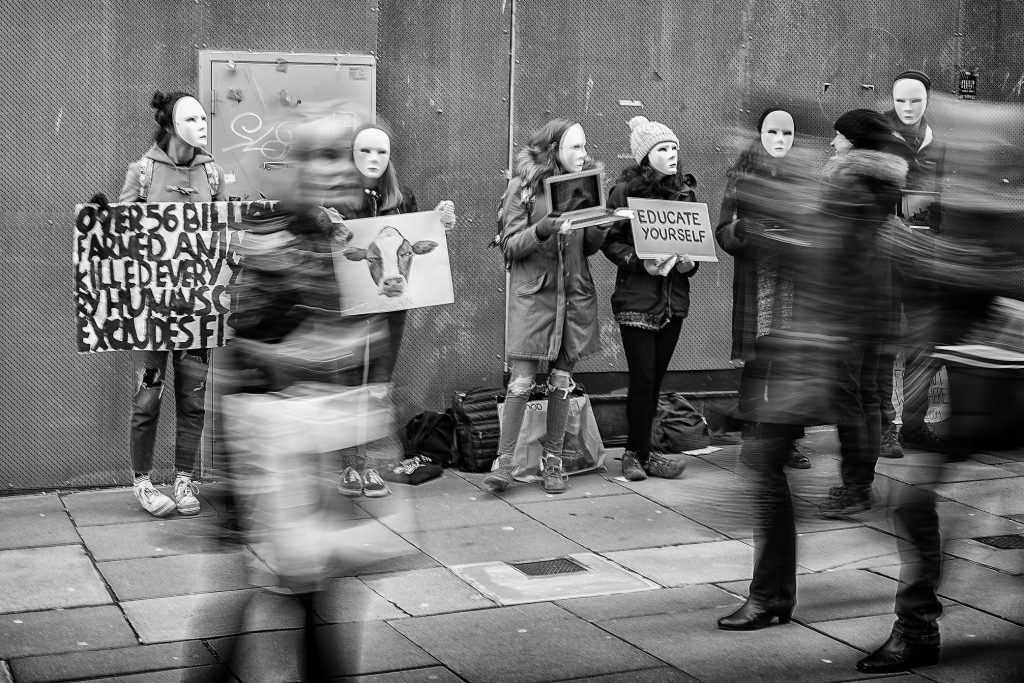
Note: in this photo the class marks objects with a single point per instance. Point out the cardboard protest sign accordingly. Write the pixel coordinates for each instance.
(393, 263)
(663, 228)
(155, 276)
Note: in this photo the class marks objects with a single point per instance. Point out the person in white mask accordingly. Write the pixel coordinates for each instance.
(177, 168)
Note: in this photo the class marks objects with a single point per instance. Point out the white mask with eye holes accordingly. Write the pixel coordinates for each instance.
(190, 121)
(371, 151)
(777, 133)
(909, 99)
(664, 158)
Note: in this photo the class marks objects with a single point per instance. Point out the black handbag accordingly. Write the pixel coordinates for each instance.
(792, 379)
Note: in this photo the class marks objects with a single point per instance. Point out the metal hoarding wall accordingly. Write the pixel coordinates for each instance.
(443, 80)
(76, 112)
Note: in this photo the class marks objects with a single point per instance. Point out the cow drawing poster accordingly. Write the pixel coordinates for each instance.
(155, 276)
(393, 263)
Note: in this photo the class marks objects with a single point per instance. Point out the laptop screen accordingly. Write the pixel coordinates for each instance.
(575, 191)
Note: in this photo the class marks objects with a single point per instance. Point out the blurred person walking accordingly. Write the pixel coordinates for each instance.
(177, 168)
(552, 307)
(819, 344)
(651, 296)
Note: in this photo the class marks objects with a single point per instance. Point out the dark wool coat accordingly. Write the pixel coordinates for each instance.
(854, 298)
(552, 301)
(641, 299)
(926, 169)
(756, 183)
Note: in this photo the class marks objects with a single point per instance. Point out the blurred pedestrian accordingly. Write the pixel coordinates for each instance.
(862, 185)
(651, 296)
(552, 307)
(177, 168)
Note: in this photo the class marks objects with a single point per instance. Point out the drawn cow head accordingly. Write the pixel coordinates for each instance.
(389, 257)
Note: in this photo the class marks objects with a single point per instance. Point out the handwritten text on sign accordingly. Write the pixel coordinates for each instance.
(662, 228)
(155, 276)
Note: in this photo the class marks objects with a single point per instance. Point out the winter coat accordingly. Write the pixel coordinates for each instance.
(928, 165)
(173, 183)
(287, 278)
(759, 196)
(641, 299)
(854, 297)
(552, 301)
(368, 209)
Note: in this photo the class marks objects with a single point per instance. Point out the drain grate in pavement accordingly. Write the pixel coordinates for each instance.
(1008, 542)
(559, 565)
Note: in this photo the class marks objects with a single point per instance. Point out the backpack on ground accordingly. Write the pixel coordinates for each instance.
(477, 428)
(678, 427)
(431, 434)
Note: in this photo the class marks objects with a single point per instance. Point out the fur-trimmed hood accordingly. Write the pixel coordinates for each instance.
(534, 165)
(867, 163)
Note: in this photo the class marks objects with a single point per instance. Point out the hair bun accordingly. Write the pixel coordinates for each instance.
(636, 122)
(159, 100)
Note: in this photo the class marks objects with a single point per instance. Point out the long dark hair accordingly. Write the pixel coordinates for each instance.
(642, 181)
(164, 105)
(387, 185)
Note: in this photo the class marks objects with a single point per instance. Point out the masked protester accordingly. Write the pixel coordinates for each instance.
(176, 168)
(552, 309)
(379, 194)
(763, 179)
(652, 296)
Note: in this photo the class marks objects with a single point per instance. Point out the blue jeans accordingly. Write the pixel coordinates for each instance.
(190, 369)
(518, 395)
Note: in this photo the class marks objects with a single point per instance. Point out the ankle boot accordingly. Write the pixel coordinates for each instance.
(752, 616)
(897, 654)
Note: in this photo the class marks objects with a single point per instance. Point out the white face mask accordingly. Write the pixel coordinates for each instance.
(371, 151)
(777, 133)
(190, 121)
(572, 149)
(664, 158)
(909, 99)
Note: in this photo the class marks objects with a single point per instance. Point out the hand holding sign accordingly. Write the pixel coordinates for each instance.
(663, 228)
(684, 264)
(659, 266)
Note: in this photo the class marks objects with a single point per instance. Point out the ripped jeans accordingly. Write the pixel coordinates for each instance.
(560, 385)
(190, 369)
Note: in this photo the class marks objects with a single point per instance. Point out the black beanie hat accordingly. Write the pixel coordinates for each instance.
(917, 76)
(867, 129)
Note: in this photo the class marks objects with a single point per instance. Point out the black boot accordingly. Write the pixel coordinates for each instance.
(897, 654)
(751, 617)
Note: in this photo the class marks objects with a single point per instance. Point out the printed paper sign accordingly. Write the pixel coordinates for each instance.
(155, 276)
(393, 263)
(663, 228)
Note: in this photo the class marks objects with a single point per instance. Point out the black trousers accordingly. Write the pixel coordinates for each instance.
(764, 453)
(648, 353)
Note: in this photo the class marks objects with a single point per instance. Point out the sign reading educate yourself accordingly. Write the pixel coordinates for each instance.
(155, 276)
(663, 228)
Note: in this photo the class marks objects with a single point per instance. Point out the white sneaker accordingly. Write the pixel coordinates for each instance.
(373, 485)
(154, 502)
(185, 496)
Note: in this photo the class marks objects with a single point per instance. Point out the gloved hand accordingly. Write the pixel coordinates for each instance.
(659, 266)
(101, 200)
(548, 225)
(684, 264)
(447, 210)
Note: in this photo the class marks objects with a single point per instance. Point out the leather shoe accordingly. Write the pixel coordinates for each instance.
(897, 654)
(751, 617)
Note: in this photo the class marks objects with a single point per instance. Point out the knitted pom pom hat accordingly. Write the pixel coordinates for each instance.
(645, 135)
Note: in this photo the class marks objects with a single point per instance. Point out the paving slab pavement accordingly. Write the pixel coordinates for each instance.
(95, 588)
